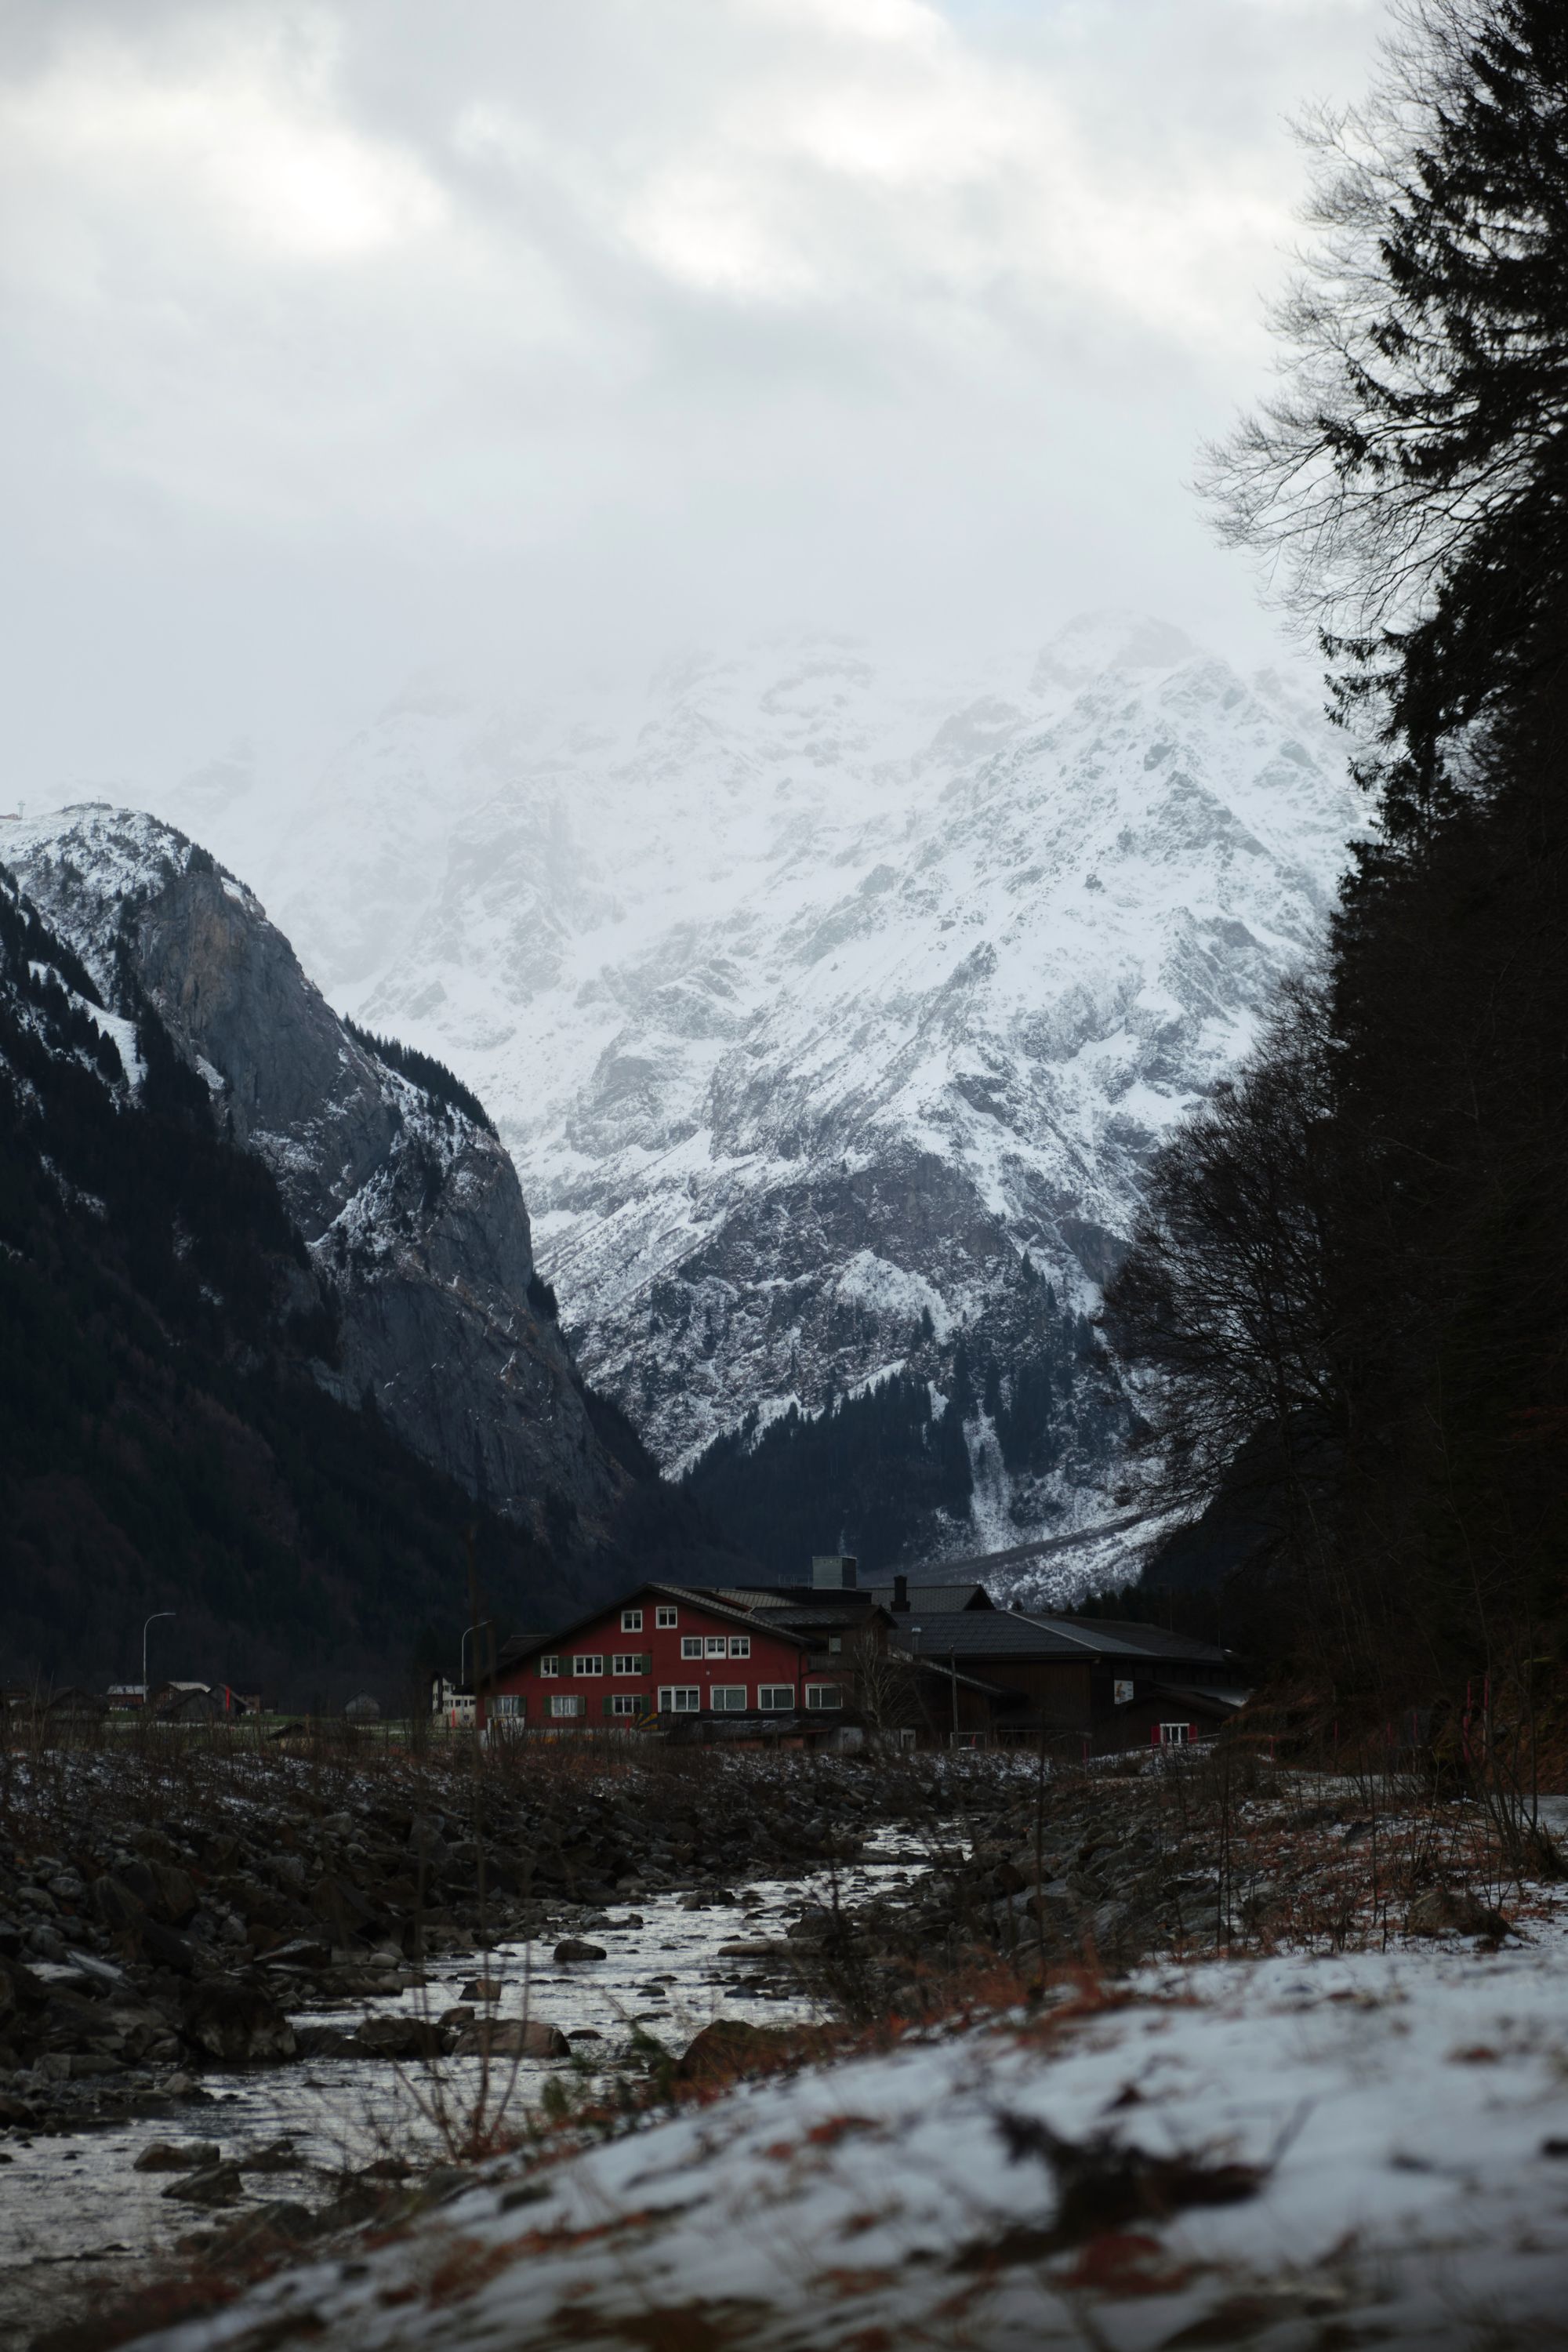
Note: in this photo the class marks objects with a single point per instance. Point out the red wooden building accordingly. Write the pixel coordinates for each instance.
(667, 1651)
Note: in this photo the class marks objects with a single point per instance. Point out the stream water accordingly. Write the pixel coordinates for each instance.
(79, 2226)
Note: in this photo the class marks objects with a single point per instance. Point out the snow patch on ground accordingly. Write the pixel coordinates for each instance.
(1384, 2131)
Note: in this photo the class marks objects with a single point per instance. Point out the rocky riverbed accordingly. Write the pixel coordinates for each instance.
(251, 2006)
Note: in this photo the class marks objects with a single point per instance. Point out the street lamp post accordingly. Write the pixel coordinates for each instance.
(463, 1648)
(157, 1613)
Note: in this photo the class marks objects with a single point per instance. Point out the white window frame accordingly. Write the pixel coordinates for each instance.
(588, 1662)
(776, 1698)
(728, 1698)
(631, 1621)
(550, 1664)
(626, 1662)
(680, 1698)
(624, 1704)
(692, 1645)
(567, 1705)
(509, 1703)
(666, 1616)
(824, 1698)
(716, 1646)
(1175, 1735)
(740, 1646)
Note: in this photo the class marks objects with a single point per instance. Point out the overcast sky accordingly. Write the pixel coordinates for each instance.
(483, 339)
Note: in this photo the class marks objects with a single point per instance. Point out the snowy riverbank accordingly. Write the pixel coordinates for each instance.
(1295, 2152)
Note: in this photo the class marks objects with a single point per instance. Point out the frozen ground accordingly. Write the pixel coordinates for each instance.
(1297, 2152)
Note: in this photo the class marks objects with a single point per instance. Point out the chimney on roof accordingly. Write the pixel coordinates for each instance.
(902, 1595)
(835, 1571)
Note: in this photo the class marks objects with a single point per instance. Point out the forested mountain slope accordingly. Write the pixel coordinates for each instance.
(259, 1286)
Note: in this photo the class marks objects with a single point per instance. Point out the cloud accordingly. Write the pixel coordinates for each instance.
(347, 333)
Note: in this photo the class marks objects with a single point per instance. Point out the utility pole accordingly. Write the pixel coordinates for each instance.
(157, 1613)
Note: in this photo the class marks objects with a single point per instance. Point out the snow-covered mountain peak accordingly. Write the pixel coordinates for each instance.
(806, 983)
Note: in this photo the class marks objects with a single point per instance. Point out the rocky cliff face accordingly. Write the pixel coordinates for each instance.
(411, 1210)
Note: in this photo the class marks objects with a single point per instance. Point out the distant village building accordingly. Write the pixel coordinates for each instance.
(453, 1703)
(835, 1663)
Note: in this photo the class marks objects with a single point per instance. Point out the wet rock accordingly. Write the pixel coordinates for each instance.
(482, 1989)
(512, 2037)
(179, 2156)
(237, 2024)
(730, 2047)
(398, 2037)
(572, 1947)
(215, 2184)
(278, 2222)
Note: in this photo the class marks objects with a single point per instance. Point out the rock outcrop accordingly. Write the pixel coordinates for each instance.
(410, 1209)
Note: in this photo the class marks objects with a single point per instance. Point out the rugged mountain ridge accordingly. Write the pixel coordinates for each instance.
(814, 995)
(410, 1208)
(164, 1442)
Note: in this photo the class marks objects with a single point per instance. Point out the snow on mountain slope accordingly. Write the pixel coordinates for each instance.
(810, 993)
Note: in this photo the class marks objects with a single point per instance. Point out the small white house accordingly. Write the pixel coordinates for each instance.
(453, 1703)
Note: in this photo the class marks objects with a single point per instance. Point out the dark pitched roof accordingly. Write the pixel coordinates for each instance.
(1153, 1640)
(849, 1599)
(947, 1598)
(1008, 1633)
(981, 1634)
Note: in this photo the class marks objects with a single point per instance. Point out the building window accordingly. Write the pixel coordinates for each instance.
(834, 1644)
(730, 1698)
(679, 1702)
(583, 1665)
(509, 1703)
(565, 1703)
(664, 1616)
(718, 1647)
(631, 1621)
(819, 1695)
(740, 1646)
(550, 1664)
(692, 1645)
(629, 1662)
(628, 1703)
(775, 1698)
(1121, 1694)
(1174, 1735)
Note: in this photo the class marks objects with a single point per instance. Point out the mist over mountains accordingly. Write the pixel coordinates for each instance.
(812, 994)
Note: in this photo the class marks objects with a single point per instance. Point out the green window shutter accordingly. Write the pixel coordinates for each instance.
(609, 1703)
(646, 1664)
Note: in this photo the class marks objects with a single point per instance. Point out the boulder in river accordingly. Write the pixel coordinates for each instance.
(178, 2155)
(215, 2184)
(572, 1947)
(237, 2024)
(514, 2037)
(399, 2036)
